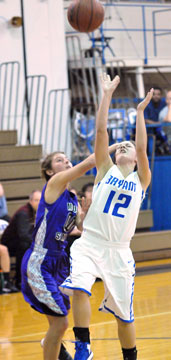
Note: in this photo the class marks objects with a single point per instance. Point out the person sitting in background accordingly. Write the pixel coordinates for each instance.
(151, 115)
(85, 198)
(75, 233)
(3, 205)
(165, 116)
(18, 234)
(7, 286)
(86, 191)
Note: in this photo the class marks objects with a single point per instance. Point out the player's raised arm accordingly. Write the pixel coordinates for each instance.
(103, 160)
(141, 142)
(67, 173)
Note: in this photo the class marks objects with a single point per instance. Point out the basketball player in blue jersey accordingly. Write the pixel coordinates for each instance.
(45, 264)
(103, 250)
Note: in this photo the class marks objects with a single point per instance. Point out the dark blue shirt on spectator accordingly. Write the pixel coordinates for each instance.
(152, 113)
(152, 110)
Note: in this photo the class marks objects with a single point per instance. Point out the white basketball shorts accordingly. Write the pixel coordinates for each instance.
(114, 264)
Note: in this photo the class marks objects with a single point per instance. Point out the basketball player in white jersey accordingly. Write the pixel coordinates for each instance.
(104, 248)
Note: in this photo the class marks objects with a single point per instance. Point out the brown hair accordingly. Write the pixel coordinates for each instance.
(46, 164)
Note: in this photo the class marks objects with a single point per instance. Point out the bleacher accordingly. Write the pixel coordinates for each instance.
(19, 169)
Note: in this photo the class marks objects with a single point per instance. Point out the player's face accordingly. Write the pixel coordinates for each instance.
(60, 163)
(125, 150)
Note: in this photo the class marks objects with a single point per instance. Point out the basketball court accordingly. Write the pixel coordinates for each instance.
(22, 328)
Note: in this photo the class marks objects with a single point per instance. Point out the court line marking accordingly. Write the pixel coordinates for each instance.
(92, 325)
(6, 341)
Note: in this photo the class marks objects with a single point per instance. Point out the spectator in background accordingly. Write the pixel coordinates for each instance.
(3, 205)
(151, 115)
(85, 198)
(75, 233)
(86, 195)
(86, 191)
(3, 225)
(18, 234)
(7, 286)
(165, 116)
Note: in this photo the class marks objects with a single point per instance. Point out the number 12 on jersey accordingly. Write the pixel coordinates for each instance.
(117, 205)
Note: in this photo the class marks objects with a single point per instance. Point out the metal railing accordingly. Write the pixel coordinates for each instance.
(157, 32)
(9, 93)
(57, 125)
(82, 78)
(37, 88)
(49, 121)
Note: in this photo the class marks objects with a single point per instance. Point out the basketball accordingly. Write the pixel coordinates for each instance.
(85, 15)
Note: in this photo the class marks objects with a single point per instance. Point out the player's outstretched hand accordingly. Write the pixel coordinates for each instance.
(142, 105)
(108, 85)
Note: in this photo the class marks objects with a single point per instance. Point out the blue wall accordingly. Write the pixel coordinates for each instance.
(161, 194)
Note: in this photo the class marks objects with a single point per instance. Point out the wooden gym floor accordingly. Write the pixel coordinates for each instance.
(22, 328)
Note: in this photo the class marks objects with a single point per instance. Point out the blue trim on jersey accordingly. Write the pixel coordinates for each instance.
(131, 314)
(98, 184)
(75, 288)
(131, 299)
(112, 312)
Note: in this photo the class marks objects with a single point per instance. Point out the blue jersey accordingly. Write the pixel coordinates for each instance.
(46, 265)
(55, 221)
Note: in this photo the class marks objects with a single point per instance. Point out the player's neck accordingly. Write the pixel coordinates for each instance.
(126, 169)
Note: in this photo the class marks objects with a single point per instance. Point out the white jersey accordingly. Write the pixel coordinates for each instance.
(113, 214)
